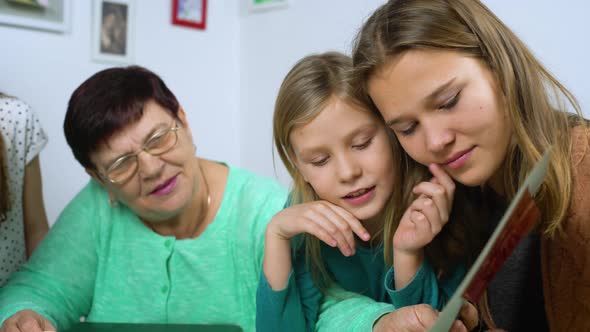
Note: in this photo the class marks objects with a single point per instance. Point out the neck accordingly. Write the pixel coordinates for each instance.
(496, 183)
(196, 217)
(373, 225)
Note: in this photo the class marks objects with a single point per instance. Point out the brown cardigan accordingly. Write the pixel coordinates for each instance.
(565, 261)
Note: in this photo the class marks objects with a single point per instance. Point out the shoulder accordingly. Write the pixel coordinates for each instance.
(21, 128)
(253, 197)
(580, 146)
(252, 185)
(92, 197)
(567, 271)
(580, 155)
(14, 109)
(90, 205)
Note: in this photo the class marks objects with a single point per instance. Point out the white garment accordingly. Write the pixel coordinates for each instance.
(23, 140)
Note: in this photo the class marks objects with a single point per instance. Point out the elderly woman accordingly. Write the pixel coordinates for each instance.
(158, 235)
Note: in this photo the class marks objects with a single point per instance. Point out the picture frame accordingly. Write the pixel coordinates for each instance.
(190, 13)
(44, 15)
(264, 5)
(113, 31)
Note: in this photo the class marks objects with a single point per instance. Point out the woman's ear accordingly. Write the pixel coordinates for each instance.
(184, 122)
(93, 174)
(182, 116)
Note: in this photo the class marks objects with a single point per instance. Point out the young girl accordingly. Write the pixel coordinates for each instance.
(23, 223)
(340, 157)
(461, 91)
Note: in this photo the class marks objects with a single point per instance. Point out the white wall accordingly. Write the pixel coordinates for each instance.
(227, 76)
(273, 41)
(200, 67)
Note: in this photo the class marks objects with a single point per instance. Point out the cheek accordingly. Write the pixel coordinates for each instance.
(179, 157)
(128, 194)
(414, 147)
(319, 179)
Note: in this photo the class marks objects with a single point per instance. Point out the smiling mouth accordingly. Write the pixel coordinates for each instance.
(164, 187)
(359, 192)
(457, 156)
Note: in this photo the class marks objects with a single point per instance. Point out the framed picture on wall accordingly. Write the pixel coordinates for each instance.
(260, 5)
(113, 31)
(47, 15)
(190, 13)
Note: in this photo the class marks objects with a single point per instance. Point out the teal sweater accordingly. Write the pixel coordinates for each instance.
(105, 264)
(301, 306)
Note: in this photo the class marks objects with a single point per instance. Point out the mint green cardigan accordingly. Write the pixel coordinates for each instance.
(105, 264)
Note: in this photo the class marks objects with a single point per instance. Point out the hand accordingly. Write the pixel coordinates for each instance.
(26, 321)
(469, 316)
(416, 318)
(427, 215)
(324, 220)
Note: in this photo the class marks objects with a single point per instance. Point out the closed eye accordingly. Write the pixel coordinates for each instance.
(363, 145)
(156, 140)
(320, 162)
(452, 102)
(407, 131)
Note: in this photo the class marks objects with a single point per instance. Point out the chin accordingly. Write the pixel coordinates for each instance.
(365, 213)
(470, 180)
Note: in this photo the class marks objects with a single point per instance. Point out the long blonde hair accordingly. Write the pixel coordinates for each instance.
(304, 93)
(536, 103)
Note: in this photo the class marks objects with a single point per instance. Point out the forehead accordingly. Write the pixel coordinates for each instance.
(414, 74)
(134, 135)
(335, 122)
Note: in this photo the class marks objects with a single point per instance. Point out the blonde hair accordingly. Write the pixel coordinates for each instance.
(305, 92)
(536, 103)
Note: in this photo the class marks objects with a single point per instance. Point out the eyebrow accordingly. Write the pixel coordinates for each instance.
(354, 133)
(149, 135)
(429, 100)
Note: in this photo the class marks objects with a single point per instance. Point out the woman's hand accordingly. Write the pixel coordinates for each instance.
(26, 321)
(324, 220)
(421, 317)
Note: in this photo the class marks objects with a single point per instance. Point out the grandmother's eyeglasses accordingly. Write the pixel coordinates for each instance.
(159, 143)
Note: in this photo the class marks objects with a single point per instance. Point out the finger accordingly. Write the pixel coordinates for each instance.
(356, 226)
(343, 225)
(425, 316)
(458, 326)
(469, 316)
(343, 240)
(438, 194)
(423, 233)
(444, 179)
(9, 327)
(428, 188)
(433, 215)
(46, 325)
(316, 230)
(28, 324)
